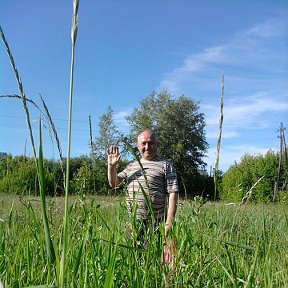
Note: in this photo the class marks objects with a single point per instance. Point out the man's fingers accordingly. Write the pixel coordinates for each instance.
(112, 150)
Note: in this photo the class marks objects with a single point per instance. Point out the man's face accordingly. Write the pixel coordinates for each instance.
(147, 145)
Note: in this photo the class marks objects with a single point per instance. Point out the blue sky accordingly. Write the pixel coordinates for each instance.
(127, 49)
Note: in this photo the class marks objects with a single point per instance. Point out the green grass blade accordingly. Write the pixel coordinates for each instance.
(35, 219)
(111, 268)
(51, 123)
(239, 245)
(42, 184)
(80, 252)
(231, 263)
(10, 215)
(21, 90)
(252, 269)
(103, 220)
(67, 186)
(42, 286)
(225, 270)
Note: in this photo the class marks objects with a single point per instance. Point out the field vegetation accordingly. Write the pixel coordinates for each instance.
(217, 245)
(88, 175)
(63, 227)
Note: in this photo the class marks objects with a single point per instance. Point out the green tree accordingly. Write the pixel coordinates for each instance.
(108, 134)
(180, 128)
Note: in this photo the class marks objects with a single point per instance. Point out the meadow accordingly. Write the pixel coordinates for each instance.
(216, 245)
(85, 241)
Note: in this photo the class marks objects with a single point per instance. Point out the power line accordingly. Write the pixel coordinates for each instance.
(86, 121)
(54, 119)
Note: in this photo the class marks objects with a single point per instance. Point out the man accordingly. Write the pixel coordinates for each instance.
(161, 181)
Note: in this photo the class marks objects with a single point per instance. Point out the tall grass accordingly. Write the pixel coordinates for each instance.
(55, 134)
(42, 182)
(21, 90)
(210, 251)
(92, 153)
(64, 243)
(219, 140)
(39, 163)
(46, 116)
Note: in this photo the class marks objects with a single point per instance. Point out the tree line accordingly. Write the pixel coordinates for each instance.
(181, 131)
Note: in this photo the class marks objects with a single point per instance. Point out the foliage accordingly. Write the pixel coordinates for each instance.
(217, 245)
(18, 175)
(90, 177)
(108, 134)
(180, 130)
(87, 176)
(239, 178)
(83, 180)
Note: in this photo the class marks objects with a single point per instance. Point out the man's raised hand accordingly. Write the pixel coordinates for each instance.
(113, 155)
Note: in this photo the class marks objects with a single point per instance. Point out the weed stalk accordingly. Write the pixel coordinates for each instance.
(67, 186)
(219, 139)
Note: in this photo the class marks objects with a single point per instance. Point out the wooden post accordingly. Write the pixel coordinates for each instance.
(276, 187)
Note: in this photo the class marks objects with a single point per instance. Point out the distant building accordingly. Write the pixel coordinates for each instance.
(3, 155)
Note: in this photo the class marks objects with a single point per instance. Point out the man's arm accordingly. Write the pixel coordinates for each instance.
(113, 157)
(172, 208)
(113, 179)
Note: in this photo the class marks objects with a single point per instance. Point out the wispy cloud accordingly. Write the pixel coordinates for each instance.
(120, 120)
(245, 50)
(270, 28)
(247, 109)
(250, 88)
(193, 64)
(256, 88)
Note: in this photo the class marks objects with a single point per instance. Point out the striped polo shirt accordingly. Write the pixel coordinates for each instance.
(162, 179)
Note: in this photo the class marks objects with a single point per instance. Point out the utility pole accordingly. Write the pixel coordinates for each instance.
(286, 160)
(282, 148)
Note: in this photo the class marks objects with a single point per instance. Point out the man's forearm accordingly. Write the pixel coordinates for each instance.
(172, 207)
(112, 176)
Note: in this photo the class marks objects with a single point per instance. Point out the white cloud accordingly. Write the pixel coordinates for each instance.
(193, 64)
(256, 86)
(120, 116)
(213, 133)
(243, 51)
(120, 120)
(245, 110)
(270, 28)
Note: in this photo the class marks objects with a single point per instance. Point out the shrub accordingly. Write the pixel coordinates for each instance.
(239, 178)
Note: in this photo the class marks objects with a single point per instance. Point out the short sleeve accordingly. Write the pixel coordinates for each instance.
(124, 175)
(171, 179)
